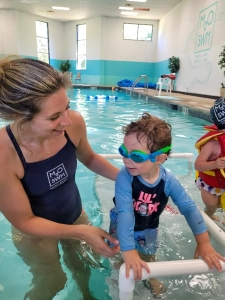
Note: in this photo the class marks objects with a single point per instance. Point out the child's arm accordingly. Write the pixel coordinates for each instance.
(210, 149)
(188, 208)
(207, 252)
(125, 225)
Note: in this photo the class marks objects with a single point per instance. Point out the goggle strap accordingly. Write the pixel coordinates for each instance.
(161, 151)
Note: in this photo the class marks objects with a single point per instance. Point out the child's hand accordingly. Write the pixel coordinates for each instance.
(133, 261)
(209, 255)
(220, 163)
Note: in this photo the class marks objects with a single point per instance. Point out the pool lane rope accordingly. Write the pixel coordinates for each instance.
(107, 97)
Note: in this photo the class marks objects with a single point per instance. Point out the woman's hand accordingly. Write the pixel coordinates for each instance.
(96, 238)
(209, 255)
(133, 261)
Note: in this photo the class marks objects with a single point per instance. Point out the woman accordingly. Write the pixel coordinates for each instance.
(38, 192)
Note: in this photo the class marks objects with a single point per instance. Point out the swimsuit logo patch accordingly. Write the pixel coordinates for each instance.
(57, 176)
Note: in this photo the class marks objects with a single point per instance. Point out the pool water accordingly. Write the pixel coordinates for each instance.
(104, 118)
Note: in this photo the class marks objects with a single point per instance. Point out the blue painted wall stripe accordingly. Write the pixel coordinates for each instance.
(109, 72)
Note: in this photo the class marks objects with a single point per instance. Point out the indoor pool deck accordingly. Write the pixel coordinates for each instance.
(194, 105)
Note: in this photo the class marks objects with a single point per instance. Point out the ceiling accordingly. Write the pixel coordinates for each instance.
(83, 9)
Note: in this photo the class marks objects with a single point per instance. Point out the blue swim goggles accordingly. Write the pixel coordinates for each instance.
(140, 156)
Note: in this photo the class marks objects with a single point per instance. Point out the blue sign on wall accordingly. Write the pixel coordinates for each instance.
(205, 28)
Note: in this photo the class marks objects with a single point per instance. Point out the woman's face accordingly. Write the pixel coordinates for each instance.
(53, 117)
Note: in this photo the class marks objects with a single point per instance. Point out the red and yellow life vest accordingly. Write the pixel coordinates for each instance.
(216, 177)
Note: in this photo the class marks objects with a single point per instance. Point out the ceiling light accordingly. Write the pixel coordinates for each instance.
(126, 8)
(128, 13)
(137, 0)
(29, 1)
(60, 8)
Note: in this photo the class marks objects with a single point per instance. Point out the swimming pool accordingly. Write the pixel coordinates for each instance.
(104, 118)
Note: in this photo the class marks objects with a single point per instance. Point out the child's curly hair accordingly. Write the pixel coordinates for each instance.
(157, 131)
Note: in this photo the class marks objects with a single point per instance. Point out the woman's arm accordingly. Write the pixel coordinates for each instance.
(85, 154)
(15, 206)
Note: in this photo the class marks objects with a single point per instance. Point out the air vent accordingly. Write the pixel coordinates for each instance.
(141, 9)
(136, 8)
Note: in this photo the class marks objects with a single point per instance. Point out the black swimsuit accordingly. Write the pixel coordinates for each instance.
(50, 184)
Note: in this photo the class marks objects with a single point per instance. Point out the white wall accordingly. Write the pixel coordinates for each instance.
(105, 40)
(8, 33)
(27, 35)
(116, 48)
(93, 38)
(56, 39)
(18, 34)
(176, 34)
(70, 40)
(179, 34)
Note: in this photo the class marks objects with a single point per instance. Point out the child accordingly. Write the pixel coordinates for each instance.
(211, 162)
(142, 190)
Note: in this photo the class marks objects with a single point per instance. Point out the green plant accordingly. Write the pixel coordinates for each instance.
(221, 63)
(174, 64)
(64, 66)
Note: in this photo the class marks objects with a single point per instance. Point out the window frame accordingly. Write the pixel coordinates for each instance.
(79, 40)
(137, 32)
(43, 38)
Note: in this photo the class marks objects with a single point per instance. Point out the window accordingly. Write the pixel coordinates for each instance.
(42, 41)
(137, 32)
(81, 47)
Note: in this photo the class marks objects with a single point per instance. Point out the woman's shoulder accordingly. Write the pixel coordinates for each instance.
(8, 156)
(77, 121)
(6, 145)
(76, 117)
(77, 128)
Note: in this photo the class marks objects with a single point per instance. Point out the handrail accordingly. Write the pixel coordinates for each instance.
(138, 79)
(168, 268)
(162, 268)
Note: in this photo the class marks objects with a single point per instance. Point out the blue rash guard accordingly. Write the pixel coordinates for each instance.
(50, 184)
(131, 203)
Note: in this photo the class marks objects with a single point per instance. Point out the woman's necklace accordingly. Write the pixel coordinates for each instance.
(28, 146)
(49, 150)
(45, 151)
